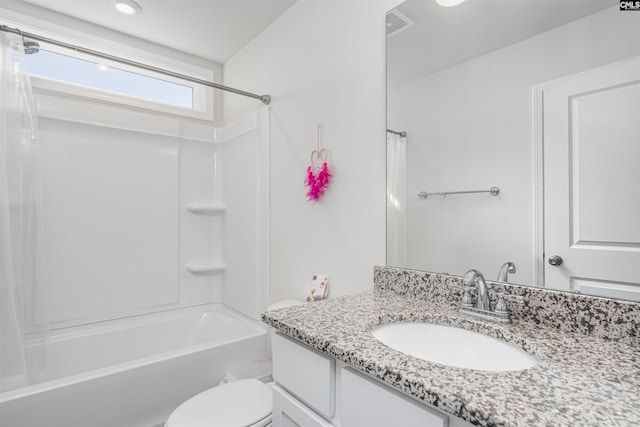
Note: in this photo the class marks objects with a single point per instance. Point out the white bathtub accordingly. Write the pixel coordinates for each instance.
(133, 373)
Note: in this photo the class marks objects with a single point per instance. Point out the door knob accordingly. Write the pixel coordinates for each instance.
(555, 260)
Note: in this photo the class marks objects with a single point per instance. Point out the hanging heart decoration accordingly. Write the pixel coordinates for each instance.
(318, 175)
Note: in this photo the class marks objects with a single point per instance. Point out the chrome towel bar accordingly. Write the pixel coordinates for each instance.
(494, 191)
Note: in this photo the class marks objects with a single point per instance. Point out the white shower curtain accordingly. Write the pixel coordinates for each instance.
(396, 199)
(23, 314)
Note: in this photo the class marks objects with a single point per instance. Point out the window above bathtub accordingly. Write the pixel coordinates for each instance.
(117, 79)
(68, 72)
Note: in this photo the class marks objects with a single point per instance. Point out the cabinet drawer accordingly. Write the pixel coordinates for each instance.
(365, 402)
(305, 373)
(288, 412)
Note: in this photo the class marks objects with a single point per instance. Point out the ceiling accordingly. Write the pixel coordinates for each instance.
(210, 29)
(445, 36)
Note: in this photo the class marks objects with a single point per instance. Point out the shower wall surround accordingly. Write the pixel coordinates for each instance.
(605, 318)
(145, 213)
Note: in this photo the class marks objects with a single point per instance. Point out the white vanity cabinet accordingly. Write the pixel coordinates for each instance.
(366, 402)
(314, 390)
(305, 384)
(290, 412)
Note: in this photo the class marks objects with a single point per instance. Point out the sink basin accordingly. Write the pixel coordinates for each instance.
(454, 347)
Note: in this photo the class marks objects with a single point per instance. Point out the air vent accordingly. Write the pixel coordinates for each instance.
(397, 22)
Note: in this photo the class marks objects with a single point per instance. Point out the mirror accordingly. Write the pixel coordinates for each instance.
(472, 89)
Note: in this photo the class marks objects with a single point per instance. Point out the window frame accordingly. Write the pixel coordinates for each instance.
(204, 98)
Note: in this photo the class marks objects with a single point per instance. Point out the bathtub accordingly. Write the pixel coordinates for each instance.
(134, 372)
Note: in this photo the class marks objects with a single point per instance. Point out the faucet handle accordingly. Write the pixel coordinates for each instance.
(501, 305)
(467, 300)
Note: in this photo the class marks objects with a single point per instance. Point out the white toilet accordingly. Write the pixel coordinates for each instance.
(242, 403)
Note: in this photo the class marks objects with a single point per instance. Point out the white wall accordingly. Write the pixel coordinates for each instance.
(324, 63)
(470, 127)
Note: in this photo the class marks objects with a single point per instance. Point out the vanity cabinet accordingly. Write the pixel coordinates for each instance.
(314, 390)
(366, 402)
(305, 373)
(290, 412)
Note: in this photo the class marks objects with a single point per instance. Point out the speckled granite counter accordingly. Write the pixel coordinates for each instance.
(582, 379)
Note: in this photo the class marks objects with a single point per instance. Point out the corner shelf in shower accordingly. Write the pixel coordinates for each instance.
(206, 208)
(205, 267)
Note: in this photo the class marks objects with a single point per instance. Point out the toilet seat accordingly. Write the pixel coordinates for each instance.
(243, 403)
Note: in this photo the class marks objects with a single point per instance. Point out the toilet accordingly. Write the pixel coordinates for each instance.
(240, 403)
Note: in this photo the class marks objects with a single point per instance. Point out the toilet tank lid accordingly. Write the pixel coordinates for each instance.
(284, 304)
(239, 403)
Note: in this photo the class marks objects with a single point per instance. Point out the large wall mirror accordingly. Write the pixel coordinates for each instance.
(538, 100)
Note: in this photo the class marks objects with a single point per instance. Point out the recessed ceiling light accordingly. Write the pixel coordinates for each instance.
(449, 3)
(128, 7)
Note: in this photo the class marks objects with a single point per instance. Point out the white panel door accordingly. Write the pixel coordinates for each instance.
(592, 181)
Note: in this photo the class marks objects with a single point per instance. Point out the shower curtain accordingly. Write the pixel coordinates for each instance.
(396, 199)
(23, 314)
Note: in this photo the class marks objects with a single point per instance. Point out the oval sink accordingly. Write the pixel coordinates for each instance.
(454, 347)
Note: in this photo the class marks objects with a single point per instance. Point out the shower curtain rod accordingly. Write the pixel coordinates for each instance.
(266, 99)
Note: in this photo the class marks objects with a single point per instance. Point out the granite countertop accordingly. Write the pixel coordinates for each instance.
(580, 380)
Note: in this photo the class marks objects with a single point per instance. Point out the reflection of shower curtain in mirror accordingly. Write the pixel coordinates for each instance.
(23, 313)
(396, 199)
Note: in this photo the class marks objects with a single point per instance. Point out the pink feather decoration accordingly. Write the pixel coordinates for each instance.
(317, 184)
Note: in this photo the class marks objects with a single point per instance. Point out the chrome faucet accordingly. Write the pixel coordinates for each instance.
(507, 267)
(482, 308)
(475, 278)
